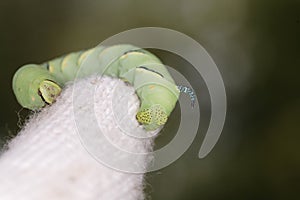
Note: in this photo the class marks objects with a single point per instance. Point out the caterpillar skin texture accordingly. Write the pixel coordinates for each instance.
(38, 85)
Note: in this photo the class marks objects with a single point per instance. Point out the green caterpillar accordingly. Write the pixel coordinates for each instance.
(38, 85)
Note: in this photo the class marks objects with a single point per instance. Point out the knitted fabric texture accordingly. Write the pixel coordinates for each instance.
(47, 159)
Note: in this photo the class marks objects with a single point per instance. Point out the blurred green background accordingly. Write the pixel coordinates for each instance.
(254, 43)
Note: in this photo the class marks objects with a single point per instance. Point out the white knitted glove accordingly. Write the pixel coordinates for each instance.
(48, 161)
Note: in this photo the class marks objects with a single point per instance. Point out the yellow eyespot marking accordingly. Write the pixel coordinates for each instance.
(144, 116)
(154, 116)
(151, 87)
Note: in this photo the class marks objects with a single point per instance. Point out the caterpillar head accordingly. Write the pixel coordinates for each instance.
(35, 87)
(152, 117)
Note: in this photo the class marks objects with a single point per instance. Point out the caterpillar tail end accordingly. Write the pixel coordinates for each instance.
(152, 118)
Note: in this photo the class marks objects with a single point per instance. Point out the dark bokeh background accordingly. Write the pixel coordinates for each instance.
(254, 43)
